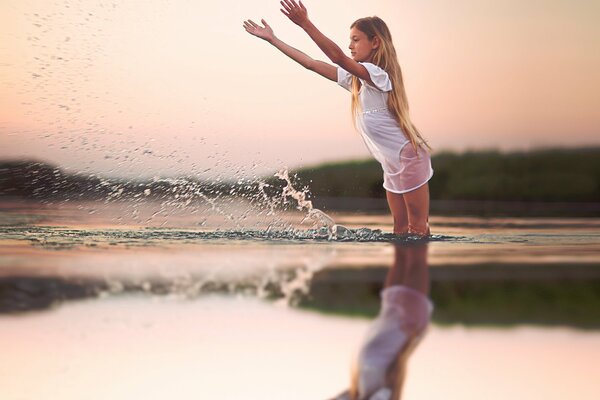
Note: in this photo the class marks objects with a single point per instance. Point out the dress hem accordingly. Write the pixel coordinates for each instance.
(409, 190)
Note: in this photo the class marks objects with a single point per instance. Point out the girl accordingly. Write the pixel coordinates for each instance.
(379, 105)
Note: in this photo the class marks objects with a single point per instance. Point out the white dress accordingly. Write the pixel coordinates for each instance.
(404, 312)
(403, 168)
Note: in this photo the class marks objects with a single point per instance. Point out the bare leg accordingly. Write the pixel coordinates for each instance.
(399, 212)
(417, 206)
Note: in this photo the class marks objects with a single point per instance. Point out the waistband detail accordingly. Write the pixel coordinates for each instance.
(375, 110)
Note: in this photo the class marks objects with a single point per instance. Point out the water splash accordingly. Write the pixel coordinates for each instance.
(272, 276)
(284, 287)
(254, 204)
(318, 217)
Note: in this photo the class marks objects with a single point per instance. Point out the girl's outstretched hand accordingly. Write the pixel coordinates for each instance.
(265, 32)
(296, 13)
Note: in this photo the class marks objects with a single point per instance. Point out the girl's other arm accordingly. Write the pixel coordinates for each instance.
(322, 68)
(299, 15)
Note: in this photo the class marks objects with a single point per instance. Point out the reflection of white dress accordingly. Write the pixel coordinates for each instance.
(404, 312)
(403, 169)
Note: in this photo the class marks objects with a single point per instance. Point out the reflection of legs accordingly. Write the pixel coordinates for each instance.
(417, 205)
(419, 268)
(410, 267)
(399, 268)
(399, 212)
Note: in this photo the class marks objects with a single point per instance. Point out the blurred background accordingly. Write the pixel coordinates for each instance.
(171, 88)
(162, 172)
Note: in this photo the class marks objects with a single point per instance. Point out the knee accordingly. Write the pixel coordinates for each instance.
(417, 215)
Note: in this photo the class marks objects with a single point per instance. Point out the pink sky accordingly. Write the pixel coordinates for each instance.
(178, 87)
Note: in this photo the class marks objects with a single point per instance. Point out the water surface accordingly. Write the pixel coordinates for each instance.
(102, 305)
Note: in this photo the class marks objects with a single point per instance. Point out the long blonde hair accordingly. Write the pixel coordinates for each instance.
(386, 58)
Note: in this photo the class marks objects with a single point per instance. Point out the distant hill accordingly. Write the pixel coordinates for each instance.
(41, 181)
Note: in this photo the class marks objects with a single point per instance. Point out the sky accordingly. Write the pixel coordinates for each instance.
(164, 88)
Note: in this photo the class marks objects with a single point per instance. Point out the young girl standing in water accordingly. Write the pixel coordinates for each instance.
(379, 105)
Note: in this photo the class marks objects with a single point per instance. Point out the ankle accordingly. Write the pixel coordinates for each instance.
(401, 230)
(419, 231)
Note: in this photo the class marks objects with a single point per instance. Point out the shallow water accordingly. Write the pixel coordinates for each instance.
(109, 304)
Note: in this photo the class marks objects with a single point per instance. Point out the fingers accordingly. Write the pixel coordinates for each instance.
(285, 10)
(291, 8)
(285, 6)
(265, 23)
(252, 27)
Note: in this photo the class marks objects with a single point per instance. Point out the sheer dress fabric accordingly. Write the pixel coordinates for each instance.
(404, 169)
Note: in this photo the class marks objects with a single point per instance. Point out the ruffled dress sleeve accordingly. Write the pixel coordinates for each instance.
(344, 78)
(379, 77)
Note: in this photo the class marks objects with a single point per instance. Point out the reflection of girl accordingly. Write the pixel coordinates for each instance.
(380, 368)
(372, 74)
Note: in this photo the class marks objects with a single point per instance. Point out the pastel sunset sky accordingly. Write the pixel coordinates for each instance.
(177, 87)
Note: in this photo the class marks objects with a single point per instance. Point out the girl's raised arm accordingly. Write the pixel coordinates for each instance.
(266, 33)
(298, 14)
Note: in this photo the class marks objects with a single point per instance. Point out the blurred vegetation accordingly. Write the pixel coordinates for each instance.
(540, 183)
(40, 181)
(493, 302)
(557, 302)
(551, 175)
(494, 296)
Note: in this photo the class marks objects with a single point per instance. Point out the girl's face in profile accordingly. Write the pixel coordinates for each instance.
(361, 48)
